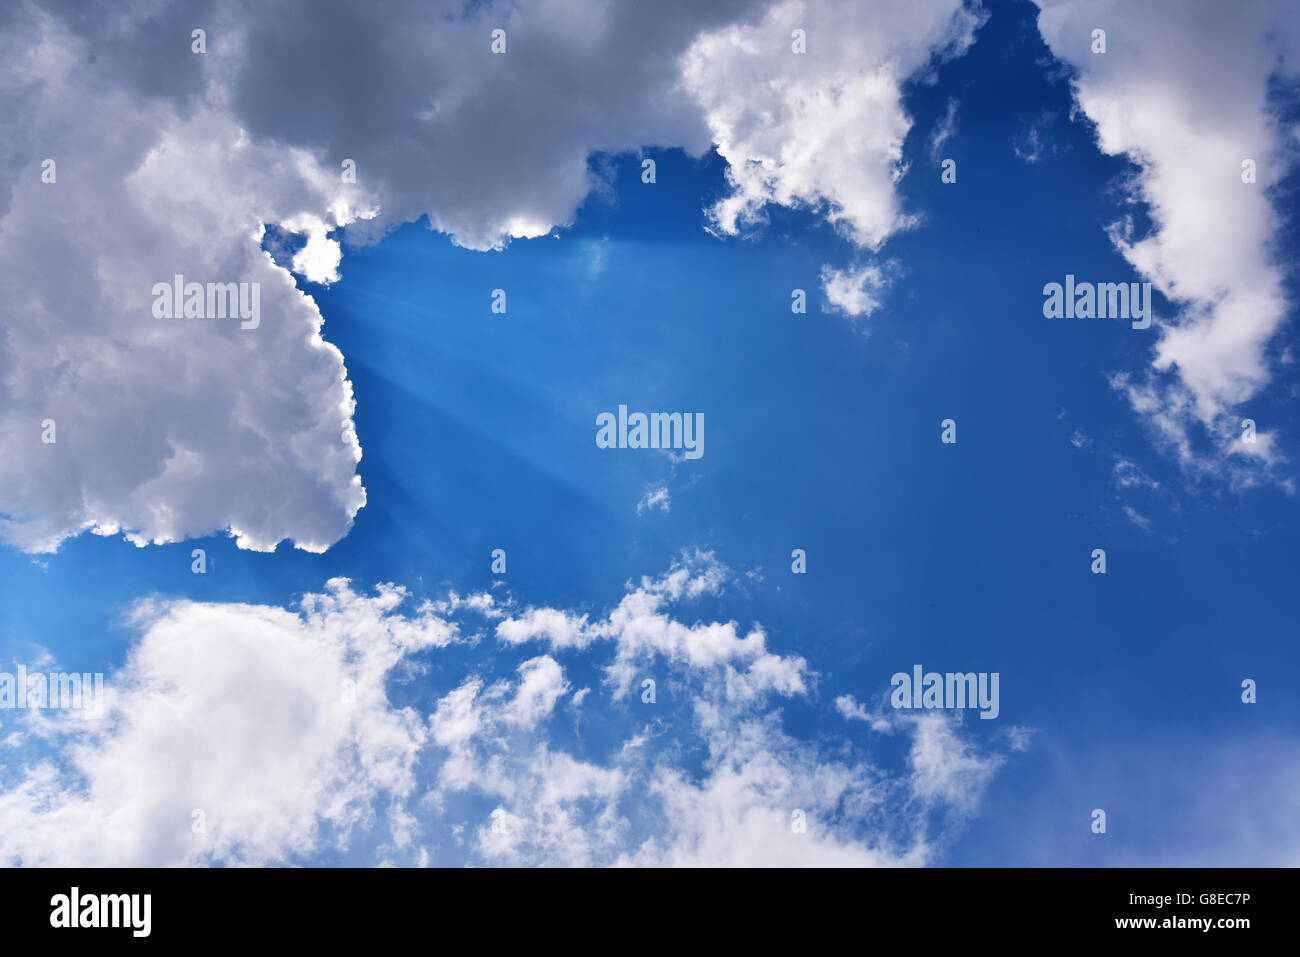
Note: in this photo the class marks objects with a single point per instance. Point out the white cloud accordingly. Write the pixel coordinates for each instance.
(641, 627)
(824, 128)
(654, 498)
(854, 292)
(743, 813)
(319, 259)
(851, 709)
(561, 629)
(944, 767)
(757, 779)
(541, 685)
(277, 724)
(1183, 91)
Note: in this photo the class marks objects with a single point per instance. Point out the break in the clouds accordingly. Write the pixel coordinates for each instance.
(170, 162)
(248, 734)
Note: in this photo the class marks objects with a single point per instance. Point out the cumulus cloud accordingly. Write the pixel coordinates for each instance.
(277, 725)
(824, 128)
(274, 726)
(171, 162)
(162, 428)
(854, 292)
(1188, 110)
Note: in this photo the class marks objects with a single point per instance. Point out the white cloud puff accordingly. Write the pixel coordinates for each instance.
(854, 292)
(274, 726)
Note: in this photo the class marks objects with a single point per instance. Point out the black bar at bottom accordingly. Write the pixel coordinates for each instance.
(338, 906)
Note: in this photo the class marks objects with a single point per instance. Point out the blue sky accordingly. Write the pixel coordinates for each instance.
(1118, 691)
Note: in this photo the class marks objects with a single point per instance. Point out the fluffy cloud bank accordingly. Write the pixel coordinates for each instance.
(110, 418)
(1183, 90)
(234, 733)
(277, 725)
(170, 162)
